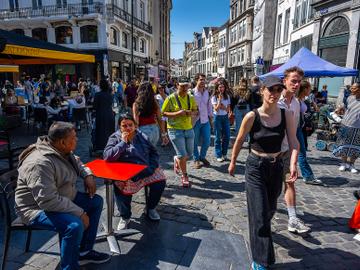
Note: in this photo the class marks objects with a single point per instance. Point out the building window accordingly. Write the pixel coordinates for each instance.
(126, 5)
(142, 11)
(242, 29)
(18, 31)
(60, 3)
(142, 45)
(286, 26)
(242, 55)
(37, 4)
(14, 5)
(297, 14)
(304, 6)
(278, 31)
(233, 34)
(337, 26)
(89, 34)
(63, 35)
(135, 43)
(113, 36)
(125, 40)
(39, 33)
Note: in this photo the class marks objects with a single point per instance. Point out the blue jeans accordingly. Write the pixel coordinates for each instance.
(239, 116)
(123, 202)
(201, 131)
(183, 142)
(222, 135)
(305, 168)
(152, 132)
(74, 238)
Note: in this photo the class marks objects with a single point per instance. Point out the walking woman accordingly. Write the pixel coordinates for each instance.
(105, 120)
(221, 105)
(147, 114)
(306, 171)
(240, 102)
(267, 127)
(348, 141)
(179, 108)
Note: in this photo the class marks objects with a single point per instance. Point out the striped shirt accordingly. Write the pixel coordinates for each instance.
(352, 114)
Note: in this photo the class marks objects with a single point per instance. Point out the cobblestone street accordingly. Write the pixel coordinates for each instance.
(217, 202)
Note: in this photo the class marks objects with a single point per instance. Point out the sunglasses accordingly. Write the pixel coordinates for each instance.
(273, 89)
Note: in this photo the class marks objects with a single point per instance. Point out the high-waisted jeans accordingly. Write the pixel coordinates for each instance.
(263, 187)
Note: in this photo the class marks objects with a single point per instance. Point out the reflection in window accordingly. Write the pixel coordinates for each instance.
(125, 41)
(39, 33)
(63, 35)
(89, 34)
(113, 36)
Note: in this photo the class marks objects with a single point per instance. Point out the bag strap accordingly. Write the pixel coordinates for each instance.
(179, 103)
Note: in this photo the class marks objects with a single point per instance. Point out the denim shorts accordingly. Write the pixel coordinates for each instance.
(183, 142)
(152, 132)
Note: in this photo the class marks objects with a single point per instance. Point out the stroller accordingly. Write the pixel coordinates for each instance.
(326, 138)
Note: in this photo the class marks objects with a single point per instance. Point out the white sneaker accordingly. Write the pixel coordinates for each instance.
(123, 223)
(352, 169)
(220, 159)
(153, 214)
(343, 167)
(296, 225)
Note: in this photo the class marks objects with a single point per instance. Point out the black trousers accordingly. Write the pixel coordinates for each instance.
(263, 187)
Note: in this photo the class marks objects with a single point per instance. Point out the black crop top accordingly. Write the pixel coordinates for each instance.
(267, 139)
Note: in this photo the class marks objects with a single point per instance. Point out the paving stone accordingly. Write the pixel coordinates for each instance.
(218, 201)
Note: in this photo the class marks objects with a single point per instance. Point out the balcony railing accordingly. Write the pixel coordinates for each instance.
(73, 10)
(54, 10)
(122, 14)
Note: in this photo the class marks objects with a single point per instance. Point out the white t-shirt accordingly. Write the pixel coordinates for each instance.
(295, 109)
(225, 102)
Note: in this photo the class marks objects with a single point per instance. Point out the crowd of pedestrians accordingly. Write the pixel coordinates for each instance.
(271, 115)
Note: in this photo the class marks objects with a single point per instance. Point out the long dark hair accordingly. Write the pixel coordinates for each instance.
(227, 89)
(145, 101)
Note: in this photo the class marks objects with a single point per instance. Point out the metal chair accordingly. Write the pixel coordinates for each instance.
(7, 149)
(11, 221)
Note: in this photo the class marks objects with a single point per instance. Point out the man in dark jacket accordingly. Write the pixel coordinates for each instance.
(46, 195)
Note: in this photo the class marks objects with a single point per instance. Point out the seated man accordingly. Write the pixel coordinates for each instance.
(130, 145)
(46, 195)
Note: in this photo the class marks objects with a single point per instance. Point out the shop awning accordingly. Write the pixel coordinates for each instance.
(17, 49)
(9, 68)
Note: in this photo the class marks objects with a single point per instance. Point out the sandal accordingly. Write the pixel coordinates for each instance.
(185, 181)
(176, 166)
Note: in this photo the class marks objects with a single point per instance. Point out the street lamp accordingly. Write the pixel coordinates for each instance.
(158, 62)
(132, 41)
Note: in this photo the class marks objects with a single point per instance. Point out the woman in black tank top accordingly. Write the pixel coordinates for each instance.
(267, 126)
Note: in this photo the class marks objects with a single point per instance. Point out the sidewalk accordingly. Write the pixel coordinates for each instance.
(214, 209)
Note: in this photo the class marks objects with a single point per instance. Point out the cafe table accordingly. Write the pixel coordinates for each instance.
(113, 171)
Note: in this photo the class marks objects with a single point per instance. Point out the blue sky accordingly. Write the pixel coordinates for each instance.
(189, 16)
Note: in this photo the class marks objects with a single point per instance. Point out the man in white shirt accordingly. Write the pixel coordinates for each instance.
(288, 101)
(201, 124)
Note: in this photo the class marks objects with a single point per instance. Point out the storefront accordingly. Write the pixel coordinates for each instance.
(35, 57)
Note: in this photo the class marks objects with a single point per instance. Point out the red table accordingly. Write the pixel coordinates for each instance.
(113, 171)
